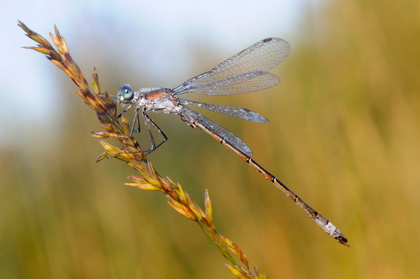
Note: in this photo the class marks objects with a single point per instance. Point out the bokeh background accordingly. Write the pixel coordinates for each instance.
(344, 135)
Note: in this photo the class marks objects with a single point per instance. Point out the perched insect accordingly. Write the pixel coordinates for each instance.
(246, 71)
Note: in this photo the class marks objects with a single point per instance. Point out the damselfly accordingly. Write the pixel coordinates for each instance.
(247, 71)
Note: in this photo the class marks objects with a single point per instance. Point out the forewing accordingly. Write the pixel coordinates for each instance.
(244, 72)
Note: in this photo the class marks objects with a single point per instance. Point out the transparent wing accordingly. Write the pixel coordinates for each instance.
(228, 136)
(228, 110)
(246, 71)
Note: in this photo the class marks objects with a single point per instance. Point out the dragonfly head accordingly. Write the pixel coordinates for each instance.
(126, 94)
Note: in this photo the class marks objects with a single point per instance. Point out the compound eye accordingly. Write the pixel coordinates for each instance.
(126, 93)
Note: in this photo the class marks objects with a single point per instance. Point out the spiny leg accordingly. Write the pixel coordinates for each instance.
(124, 111)
(136, 123)
(136, 120)
(147, 119)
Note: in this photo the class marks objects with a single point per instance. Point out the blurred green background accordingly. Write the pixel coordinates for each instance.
(344, 134)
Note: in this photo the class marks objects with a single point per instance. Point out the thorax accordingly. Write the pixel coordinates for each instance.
(157, 99)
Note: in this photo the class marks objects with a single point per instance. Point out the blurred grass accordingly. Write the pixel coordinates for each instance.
(344, 134)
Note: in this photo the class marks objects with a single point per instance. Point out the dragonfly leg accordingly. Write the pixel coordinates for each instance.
(148, 120)
(136, 128)
(136, 121)
(124, 111)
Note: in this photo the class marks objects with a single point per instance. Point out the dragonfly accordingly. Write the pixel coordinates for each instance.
(244, 72)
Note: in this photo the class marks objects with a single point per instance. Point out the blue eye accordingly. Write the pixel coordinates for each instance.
(126, 93)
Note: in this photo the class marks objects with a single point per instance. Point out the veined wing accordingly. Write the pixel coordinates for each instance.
(228, 110)
(246, 71)
(224, 134)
